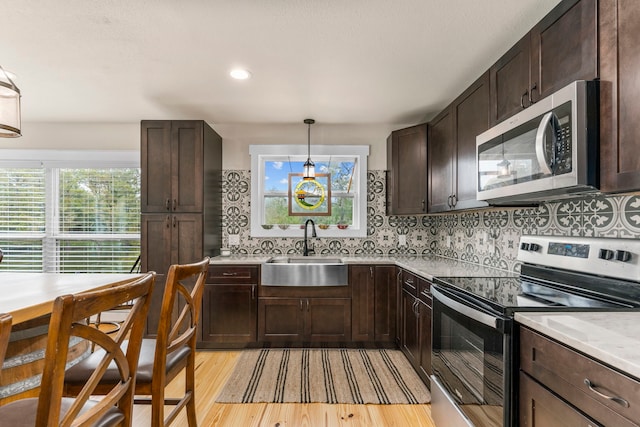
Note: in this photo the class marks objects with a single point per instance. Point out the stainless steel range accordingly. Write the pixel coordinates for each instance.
(474, 338)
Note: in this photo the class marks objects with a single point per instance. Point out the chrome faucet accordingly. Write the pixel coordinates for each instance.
(308, 250)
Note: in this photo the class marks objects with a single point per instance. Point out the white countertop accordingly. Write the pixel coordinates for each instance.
(611, 337)
(427, 266)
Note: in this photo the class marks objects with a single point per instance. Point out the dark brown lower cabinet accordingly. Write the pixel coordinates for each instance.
(230, 307)
(231, 315)
(415, 331)
(541, 408)
(560, 386)
(304, 319)
(409, 338)
(373, 303)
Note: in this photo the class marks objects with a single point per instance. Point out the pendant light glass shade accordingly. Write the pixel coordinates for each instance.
(9, 107)
(309, 168)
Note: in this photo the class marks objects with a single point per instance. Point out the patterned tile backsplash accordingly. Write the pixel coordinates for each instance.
(488, 237)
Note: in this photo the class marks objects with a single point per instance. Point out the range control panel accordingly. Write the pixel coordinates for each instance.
(619, 258)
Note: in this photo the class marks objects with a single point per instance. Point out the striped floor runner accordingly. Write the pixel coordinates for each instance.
(324, 375)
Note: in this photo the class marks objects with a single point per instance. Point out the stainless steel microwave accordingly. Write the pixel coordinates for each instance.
(547, 152)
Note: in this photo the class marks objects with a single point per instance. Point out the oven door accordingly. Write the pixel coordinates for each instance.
(471, 361)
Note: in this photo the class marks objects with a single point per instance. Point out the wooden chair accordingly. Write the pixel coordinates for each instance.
(68, 319)
(171, 352)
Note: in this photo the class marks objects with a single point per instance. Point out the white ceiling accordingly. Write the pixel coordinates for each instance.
(338, 61)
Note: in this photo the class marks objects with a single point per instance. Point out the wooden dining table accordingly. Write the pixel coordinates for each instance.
(29, 298)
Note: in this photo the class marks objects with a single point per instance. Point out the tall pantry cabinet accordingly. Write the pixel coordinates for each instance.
(181, 198)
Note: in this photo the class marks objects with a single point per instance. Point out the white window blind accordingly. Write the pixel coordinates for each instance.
(70, 219)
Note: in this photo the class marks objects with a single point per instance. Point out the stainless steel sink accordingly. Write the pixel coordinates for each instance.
(304, 271)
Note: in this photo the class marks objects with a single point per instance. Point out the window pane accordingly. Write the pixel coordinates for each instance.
(21, 255)
(22, 200)
(100, 201)
(94, 256)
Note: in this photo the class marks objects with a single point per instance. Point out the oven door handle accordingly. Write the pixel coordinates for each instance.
(469, 308)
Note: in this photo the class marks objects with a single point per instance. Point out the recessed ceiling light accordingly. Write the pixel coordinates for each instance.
(240, 74)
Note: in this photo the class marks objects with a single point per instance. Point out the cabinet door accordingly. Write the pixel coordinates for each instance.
(327, 319)
(385, 304)
(471, 112)
(155, 251)
(229, 313)
(187, 152)
(619, 93)
(155, 166)
(441, 162)
(280, 319)
(564, 47)
(363, 298)
(186, 238)
(409, 341)
(541, 408)
(407, 184)
(424, 332)
(509, 80)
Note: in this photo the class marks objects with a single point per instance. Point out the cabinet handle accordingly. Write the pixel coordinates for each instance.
(524, 95)
(175, 204)
(398, 280)
(168, 221)
(168, 204)
(175, 221)
(253, 292)
(307, 305)
(301, 305)
(534, 87)
(226, 273)
(620, 401)
(423, 205)
(454, 200)
(371, 271)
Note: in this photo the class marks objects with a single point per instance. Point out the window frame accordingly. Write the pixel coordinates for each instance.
(52, 161)
(261, 153)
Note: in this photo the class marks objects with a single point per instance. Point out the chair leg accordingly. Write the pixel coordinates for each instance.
(190, 386)
(157, 406)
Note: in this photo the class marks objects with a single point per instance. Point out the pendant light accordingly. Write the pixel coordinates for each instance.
(9, 106)
(309, 167)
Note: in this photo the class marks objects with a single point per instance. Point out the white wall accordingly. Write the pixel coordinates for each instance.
(236, 138)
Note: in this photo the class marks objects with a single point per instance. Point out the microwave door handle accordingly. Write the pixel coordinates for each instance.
(541, 143)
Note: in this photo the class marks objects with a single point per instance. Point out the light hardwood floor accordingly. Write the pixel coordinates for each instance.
(214, 367)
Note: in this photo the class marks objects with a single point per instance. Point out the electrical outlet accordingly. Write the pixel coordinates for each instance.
(234, 240)
(402, 240)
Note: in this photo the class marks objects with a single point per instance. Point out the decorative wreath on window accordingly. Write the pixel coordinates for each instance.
(309, 195)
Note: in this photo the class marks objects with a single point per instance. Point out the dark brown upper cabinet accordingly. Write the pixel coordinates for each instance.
(561, 48)
(452, 149)
(619, 95)
(174, 162)
(407, 171)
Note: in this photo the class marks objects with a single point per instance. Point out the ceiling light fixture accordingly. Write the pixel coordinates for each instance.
(9, 106)
(309, 167)
(240, 74)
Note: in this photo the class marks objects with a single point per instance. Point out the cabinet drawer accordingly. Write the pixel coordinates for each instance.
(566, 373)
(424, 291)
(410, 283)
(541, 408)
(232, 274)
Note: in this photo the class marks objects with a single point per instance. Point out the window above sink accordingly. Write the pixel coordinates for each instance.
(340, 211)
